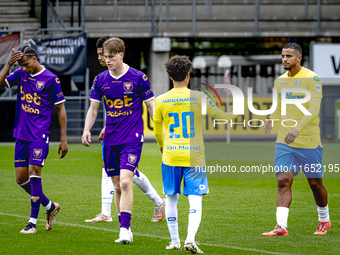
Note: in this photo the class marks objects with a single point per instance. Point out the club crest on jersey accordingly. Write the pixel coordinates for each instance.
(40, 85)
(298, 83)
(132, 158)
(128, 86)
(37, 153)
(211, 103)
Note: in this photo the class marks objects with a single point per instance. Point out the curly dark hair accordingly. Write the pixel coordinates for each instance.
(297, 48)
(101, 41)
(178, 67)
(29, 52)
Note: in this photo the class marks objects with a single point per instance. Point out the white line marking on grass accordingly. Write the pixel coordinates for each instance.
(152, 236)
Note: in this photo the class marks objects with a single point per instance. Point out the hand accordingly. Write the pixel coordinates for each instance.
(291, 135)
(268, 126)
(101, 135)
(15, 56)
(86, 138)
(63, 148)
(161, 149)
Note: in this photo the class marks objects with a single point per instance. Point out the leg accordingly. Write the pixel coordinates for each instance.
(144, 184)
(284, 192)
(321, 199)
(195, 216)
(172, 221)
(319, 191)
(36, 191)
(285, 164)
(36, 194)
(111, 174)
(195, 186)
(172, 177)
(22, 178)
(126, 200)
(22, 175)
(284, 199)
(116, 183)
(22, 157)
(107, 195)
(125, 205)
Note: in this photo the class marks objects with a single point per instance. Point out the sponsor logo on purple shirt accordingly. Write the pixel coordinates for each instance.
(36, 96)
(123, 98)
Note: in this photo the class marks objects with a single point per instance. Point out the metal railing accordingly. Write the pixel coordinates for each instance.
(157, 19)
(54, 20)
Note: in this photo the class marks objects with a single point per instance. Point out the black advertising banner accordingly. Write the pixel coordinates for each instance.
(63, 56)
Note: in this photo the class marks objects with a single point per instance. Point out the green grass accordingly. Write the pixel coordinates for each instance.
(235, 213)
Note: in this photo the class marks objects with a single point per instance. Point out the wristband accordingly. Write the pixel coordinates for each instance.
(9, 63)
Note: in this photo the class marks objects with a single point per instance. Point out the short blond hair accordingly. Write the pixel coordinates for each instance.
(114, 45)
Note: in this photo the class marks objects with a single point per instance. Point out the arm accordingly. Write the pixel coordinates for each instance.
(158, 124)
(15, 56)
(158, 131)
(216, 113)
(150, 105)
(89, 121)
(273, 118)
(62, 124)
(219, 114)
(314, 108)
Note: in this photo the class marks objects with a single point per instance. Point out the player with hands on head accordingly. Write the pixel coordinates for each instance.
(38, 90)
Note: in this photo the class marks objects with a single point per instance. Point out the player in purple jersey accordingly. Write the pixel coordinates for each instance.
(141, 181)
(38, 91)
(124, 89)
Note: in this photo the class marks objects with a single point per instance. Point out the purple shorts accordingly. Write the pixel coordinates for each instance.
(30, 153)
(123, 156)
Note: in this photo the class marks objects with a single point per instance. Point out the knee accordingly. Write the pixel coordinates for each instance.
(125, 184)
(21, 175)
(283, 183)
(21, 179)
(35, 170)
(315, 184)
(117, 189)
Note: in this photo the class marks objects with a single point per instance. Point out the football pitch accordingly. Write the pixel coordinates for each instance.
(236, 211)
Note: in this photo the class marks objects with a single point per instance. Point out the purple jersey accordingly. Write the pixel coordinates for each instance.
(123, 96)
(36, 95)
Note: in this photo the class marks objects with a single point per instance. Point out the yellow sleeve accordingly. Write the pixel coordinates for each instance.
(314, 108)
(158, 132)
(158, 124)
(315, 88)
(216, 113)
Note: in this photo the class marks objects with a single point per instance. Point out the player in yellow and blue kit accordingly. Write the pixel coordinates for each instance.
(298, 145)
(179, 111)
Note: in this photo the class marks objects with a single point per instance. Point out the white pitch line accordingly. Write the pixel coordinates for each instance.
(152, 236)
